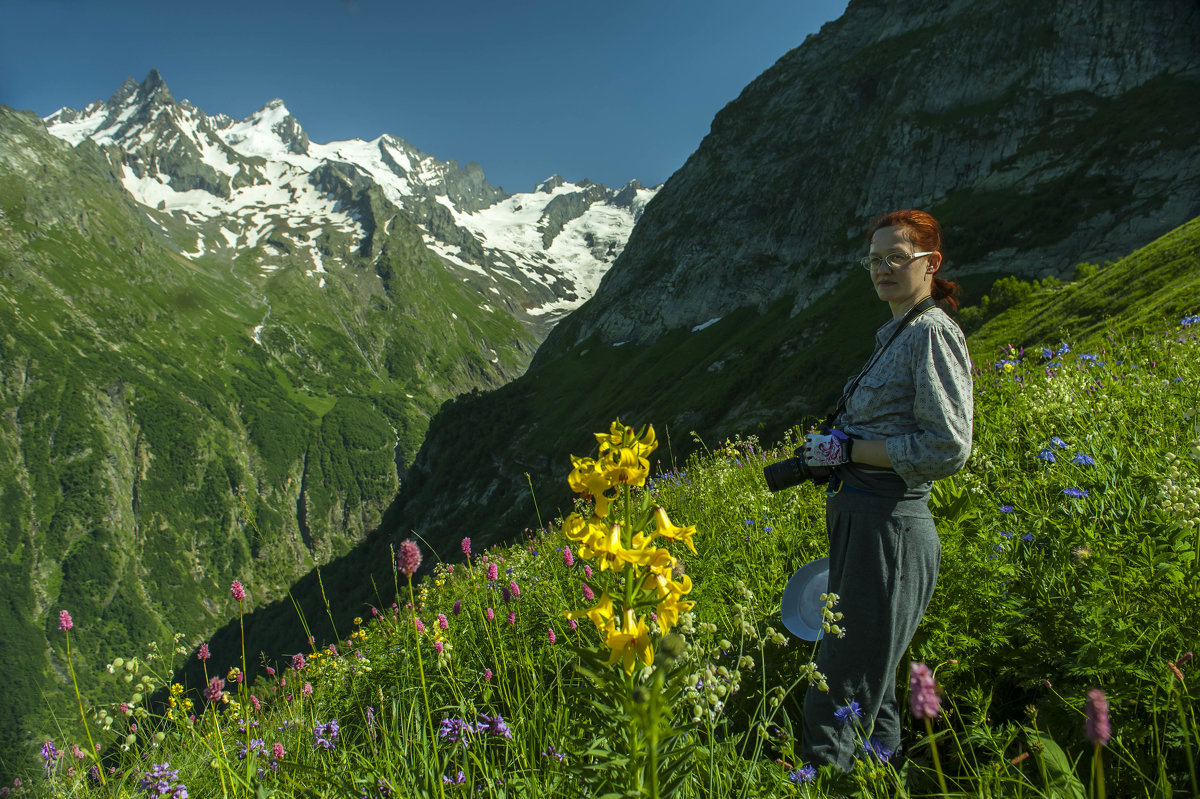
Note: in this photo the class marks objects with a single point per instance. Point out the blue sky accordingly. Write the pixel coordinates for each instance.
(606, 91)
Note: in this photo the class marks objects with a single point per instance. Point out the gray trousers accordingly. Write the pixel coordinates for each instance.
(883, 564)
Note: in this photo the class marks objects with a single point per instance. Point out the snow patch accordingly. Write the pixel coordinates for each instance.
(703, 325)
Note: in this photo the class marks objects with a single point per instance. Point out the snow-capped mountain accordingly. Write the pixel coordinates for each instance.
(259, 188)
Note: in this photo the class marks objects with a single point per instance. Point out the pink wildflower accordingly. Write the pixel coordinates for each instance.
(437, 647)
(270, 671)
(64, 621)
(254, 701)
(923, 697)
(493, 573)
(215, 686)
(466, 547)
(445, 625)
(236, 591)
(1097, 726)
(568, 558)
(573, 624)
(308, 689)
(408, 559)
(277, 751)
(512, 617)
(487, 674)
(75, 750)
(551, 636)
(587, 571)
(333, 650)
(512, 587)
(490, 614)
(420, 624)
(587, 593)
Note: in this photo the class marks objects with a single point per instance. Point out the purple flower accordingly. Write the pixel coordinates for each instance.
(849, 712)
(457, 607)
(551, 753)
(512, 587)
(202, 653)
(1058, 442)
(1046, 455)
(408, 558)
(512, 617)
(466, 547)
(1083, 460)
(1097, 726)
(922, 692)
(325, 735)
(1007, 509)
(298, 662)
(568, 558)
(1075, 492)
(551, 636)
(587, 571)
(494, 726)
(493, 573)
(487, 674)
(460, 779)
(587, 593)
(875, 748)
(50, 757)
(456, 730)
(161, 781)
(236, 591)
(1027, 537)
(445, 625)
(64, 621)
(803, 775)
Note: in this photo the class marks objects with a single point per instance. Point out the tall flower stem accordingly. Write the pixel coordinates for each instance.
(937, 763)
(425, 693)
(82, 717)
(1098, 770)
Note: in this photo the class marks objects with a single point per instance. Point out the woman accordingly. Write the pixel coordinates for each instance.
(904, 421)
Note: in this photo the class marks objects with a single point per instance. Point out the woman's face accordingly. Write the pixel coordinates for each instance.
(901, 286)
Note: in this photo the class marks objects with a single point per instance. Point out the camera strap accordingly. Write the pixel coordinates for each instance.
(918, 309)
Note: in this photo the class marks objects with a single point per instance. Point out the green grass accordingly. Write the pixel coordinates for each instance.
(1043, 595)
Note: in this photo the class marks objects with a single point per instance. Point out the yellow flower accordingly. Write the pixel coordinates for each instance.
(669, 611)
(357, 621)
(625, 465)
(600, 613)
(630, 643)
(663, 527)
(576, 529)
(610, 553)
(589, 477)
(619, 436)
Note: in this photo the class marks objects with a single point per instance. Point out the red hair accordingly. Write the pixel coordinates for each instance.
(924, 232)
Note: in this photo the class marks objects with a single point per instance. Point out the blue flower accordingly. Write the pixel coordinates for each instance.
(1047, 354)
(1027, 537)
(1046, 455)
(1083, 460)
(1063, 350)
(1007, 509)
(1006, 534)
(1075, 492)
(848, 713)
(802, 775)
(1058, 442)
(876, 749)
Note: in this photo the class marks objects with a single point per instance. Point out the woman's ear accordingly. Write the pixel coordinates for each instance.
(935, 263)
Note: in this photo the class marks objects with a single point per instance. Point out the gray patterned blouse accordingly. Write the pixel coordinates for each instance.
(918, 397)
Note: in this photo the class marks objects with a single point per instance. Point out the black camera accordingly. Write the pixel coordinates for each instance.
(793, 472)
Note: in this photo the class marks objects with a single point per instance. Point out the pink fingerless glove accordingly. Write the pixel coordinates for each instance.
(822, 449)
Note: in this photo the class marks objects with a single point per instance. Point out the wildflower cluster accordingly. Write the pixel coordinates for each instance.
(627, 546)
(1179, 492)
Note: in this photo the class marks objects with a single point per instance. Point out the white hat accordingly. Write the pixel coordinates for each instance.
(801, 606)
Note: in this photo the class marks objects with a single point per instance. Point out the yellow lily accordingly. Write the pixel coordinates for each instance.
(601, 613)
(663, 527)
(610, 553)
(592, 478)
(624, 465)
(619, 436)
(630, 643)
(576, 529)
(669, 611)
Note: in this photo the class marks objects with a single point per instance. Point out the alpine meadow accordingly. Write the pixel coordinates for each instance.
(334, 470)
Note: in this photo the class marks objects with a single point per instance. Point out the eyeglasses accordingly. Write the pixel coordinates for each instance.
(894, 260)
